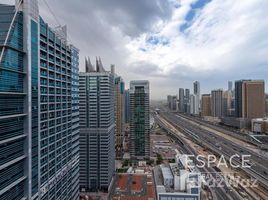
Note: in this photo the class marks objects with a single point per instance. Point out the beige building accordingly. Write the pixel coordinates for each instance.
(253, 99)
(206, 105)
(119, 115)
(266, 107)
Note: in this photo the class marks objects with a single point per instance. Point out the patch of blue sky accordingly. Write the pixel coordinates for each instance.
(191, 14)
(155, 40)
(200, 4)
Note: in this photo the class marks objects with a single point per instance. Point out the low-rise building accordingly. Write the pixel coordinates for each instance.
(259, 125)
(178, 180)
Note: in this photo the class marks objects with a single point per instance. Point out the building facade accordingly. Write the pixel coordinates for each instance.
(139, 120)
(227, 103)
(119, 115)
(75, 120)
(126, 110)
(197, 97)
(206, 105)
(250, 99)
(97, 127)
(172, 102)
(181, 100)
(216, 103)
(187, 101)
(37, 155)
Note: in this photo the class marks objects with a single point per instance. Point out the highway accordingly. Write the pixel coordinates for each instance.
(227, 131)
(222, 193)
(221, 146)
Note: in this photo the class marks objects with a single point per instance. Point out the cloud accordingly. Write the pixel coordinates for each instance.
(219, 43)
(170, 42)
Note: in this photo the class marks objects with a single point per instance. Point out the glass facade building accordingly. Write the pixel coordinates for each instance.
(13, 116)
(139, 120)
(39, 130)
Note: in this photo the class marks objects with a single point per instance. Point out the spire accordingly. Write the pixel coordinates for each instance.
(101, 69)
(86, 64)
(90, 66)
(97, 64)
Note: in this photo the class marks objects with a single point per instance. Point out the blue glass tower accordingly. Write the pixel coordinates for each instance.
(39, 128)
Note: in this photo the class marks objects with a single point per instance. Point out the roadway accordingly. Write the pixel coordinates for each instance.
(222, 192)
(221, 145)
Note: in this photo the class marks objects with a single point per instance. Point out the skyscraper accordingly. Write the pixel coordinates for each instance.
(227, 103)
(36, 151)
(181, 100)
(230, 85)
(249, 99)
(119, 114)
(206, 105)
(75, 120)
(127, 109)
(187, 101)
(192, 104)
(139, 120)
(216, 103)
(197, 97)
(97, 127)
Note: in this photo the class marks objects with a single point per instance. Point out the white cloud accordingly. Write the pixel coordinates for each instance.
(226, 36)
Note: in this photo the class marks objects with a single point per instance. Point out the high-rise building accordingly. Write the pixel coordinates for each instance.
(249, 99)
(119, 115)
(139, 120)
(227, 103)
(181, 100)
(266, 105)
(127, 109)
(216, 103)
(172, 102)
(206, 105)
(197, 97)
(75, 120)
(187, 101)
(97, 127)
(230, 85)
(192, 104)
(38, 159)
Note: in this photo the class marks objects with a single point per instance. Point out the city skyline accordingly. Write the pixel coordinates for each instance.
(171, 42)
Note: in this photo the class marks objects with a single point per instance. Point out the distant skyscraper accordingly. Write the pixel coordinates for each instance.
(192, 104)
(227, 103)
(139, 120)
(38, 157)
(97, 127)
(172, 102)
(249, 99)
(127, 109)
(216, 103)
(181, 100)
(206, 105)
(230, 85)
(119, 114)
(187, 101)
(197, 97)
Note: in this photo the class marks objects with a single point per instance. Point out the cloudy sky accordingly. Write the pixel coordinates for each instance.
(169, 42)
